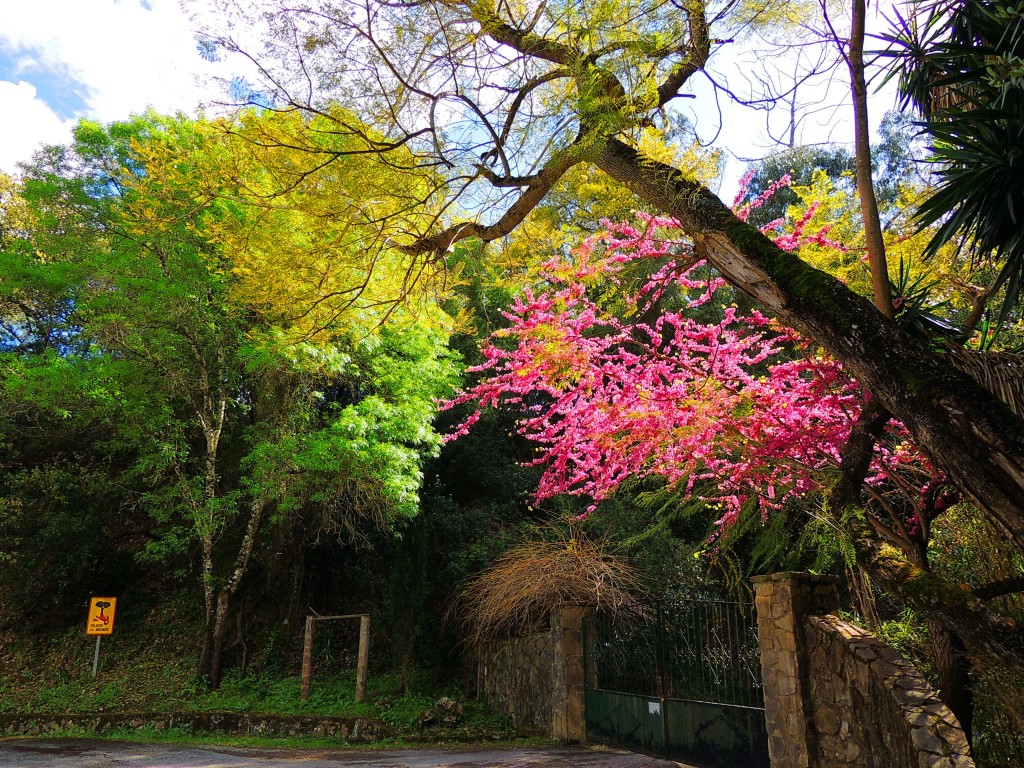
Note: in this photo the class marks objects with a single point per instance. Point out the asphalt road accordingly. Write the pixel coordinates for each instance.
(96, 753)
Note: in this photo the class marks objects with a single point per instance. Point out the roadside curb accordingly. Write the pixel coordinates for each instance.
(352, 729)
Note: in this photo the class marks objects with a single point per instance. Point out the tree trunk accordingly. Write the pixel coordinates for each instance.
(962, 427)
(211, 416)
(210, 663)
(862, 159)
(948, 650)
(985, 634)
(953, 668)
(951, 662)
(216, 634)
(209, 596)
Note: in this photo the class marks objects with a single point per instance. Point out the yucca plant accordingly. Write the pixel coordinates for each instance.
(959, 64)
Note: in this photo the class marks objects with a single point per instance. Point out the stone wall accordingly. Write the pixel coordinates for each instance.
(872, 707)
(835, 697)
(515, 678)
(538, 679)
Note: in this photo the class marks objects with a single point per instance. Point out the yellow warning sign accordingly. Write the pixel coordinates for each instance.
(101, 616)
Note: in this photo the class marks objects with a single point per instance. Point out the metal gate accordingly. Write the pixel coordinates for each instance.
(684, 682)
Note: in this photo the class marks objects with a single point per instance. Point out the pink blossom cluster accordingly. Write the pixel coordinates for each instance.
(800, 237)
(732, 409)
(786, 241)
(743, 207)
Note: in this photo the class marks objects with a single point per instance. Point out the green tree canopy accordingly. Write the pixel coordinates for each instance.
(248, 391)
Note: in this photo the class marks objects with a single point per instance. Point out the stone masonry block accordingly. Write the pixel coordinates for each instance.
(954, 737)
(926, 741)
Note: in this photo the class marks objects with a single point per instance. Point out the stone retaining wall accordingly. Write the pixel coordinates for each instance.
(538, 679)
(835, 697)
(352, 729)
(872, 707)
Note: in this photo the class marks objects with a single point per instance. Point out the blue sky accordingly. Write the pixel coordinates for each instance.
(61, 60)
(55, 83)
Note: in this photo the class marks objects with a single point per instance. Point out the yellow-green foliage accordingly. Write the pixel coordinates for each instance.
(574, 209)
(304, 218)
(14, 212)
(836, 209)
(18, 219)
(777, 21)
(948, 277)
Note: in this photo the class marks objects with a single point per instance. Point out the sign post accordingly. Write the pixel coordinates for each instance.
(96, 656)
(100, 623)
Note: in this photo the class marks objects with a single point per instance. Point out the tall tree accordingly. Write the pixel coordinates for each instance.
(854, 55)
(508, 98)
(272, 388)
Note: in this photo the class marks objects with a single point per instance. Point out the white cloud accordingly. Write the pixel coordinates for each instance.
(123, 57)
(28, 122)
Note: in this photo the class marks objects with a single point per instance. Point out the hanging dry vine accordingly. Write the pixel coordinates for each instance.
(518, 592)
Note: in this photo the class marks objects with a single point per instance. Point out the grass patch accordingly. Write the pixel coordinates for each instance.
(187, 737)
(260, 694)
(149, 670)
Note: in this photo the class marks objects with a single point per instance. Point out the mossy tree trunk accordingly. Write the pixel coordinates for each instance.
(985, 635)
(906, 575)
(961, 426)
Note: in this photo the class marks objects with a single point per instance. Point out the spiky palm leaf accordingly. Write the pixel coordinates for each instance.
(980, 197)
(960, 67)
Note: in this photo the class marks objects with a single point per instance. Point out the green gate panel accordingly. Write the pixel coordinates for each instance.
(624, 720)
(682, 682)
(716, 735)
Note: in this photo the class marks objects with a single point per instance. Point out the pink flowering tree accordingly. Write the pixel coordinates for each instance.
(615, 377)
(734, 409)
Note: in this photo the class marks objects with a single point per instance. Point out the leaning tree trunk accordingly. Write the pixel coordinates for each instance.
(963, 428)
(217, 626)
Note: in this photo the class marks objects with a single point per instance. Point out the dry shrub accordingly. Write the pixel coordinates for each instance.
(517, 593)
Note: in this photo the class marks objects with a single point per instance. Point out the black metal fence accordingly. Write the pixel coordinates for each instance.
(681, 680)
(698, 650)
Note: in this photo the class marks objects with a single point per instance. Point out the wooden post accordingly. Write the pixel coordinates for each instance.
(363, 660)
(364, 657)
(307, 660)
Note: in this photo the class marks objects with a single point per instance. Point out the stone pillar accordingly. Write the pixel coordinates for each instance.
(568, 724)
(782, 601)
